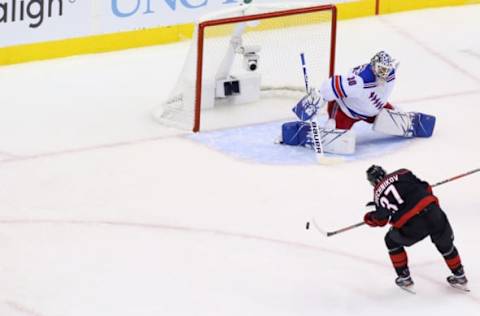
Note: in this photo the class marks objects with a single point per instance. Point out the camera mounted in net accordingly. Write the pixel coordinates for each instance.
(251, 57)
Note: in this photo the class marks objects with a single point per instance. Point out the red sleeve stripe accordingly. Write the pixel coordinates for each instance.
(338, 87)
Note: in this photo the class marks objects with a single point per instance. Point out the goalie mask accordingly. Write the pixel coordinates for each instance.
(382, 64)
(375, 174)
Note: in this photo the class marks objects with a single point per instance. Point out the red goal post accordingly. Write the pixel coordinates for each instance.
(276, 20)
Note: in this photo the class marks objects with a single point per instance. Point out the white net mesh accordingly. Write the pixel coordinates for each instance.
(280, 40)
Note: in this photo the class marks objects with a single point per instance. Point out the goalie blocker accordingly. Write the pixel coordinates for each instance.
(391, 122)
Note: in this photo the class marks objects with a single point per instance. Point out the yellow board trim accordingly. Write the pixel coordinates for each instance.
(94, 44)
(350, 10)
(162, 35)
(392, 6)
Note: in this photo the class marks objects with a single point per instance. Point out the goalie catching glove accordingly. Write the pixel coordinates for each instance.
(309, 105)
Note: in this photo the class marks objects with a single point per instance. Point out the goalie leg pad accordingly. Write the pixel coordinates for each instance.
(423, 124)
(392, 122)
(295, 133)
(406, 124)
(338, 141)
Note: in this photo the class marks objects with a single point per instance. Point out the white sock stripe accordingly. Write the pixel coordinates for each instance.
(394, 249)
(449, 252)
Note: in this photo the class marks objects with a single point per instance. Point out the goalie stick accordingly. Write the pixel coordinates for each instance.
(315, 130)
(347, 228)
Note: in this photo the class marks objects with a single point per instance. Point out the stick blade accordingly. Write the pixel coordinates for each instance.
(318, 228)
(328, 160)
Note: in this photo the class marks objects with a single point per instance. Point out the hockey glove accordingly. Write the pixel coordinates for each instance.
(308, 106)
(429, 189)
(371, 221)
(371, 205)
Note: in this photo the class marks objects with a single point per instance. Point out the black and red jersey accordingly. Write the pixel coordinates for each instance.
(400, 196)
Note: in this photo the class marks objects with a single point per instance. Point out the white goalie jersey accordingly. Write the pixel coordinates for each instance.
(358, 93)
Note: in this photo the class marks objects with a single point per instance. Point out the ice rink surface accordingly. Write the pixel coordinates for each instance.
(103, 212)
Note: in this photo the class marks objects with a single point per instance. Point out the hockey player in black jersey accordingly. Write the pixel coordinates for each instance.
(409, 205)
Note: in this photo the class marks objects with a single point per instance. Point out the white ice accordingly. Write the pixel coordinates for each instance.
(105, 213)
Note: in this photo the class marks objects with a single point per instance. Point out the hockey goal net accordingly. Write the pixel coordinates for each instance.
(250, 55)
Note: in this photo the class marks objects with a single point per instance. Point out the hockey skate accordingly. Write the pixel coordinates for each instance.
(406, 283)
(459, 282)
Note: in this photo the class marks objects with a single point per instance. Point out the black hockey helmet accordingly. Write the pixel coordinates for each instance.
(375, 174)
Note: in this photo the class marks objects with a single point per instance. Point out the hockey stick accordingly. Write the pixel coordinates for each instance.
(316, 135)
(456, 177)
(341, 230)
(344, 229)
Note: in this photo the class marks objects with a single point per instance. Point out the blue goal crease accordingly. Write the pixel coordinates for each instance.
(256, 144)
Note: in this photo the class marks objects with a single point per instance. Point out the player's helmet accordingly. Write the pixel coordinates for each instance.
(375, 174)
(382, 64)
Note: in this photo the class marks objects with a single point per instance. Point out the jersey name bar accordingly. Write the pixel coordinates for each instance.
(384, 185)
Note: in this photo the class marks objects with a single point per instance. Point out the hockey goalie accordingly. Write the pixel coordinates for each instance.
(360, 95)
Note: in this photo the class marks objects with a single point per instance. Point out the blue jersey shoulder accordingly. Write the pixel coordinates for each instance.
(366, 73)
(391, 76)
